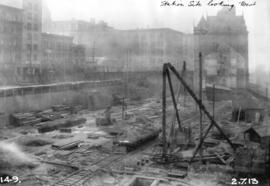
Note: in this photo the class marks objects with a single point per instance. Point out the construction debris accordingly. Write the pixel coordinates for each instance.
(21, 119)
(177, 174)
(48, 115)
(136, 135)
(123, 147)
(60, 164)
(57, 124)
(67, 146)
(65, 130)
(34, 142)
(249, 160)
(33, 118)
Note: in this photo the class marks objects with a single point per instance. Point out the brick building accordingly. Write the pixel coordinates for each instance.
(31, 32)
(148, 49)
(30, 18)
(225, 35)
(28, 49)
(11, 26)
(77, 55)
(94, 36)
(55, 50)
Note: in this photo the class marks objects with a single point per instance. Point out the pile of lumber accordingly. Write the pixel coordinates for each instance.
(48, 115)
(61, 108)
(21, 119)
(61, 123)
(136, 135)
(54, 113)
(67, 145)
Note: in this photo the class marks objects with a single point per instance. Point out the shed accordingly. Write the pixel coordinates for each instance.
(248, 115)
(247, 108)
(259, 135)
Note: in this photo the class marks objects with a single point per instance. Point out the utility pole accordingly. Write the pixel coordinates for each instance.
(100, 73)
(127, 78)
(93, 52)
(200, 97)
(266, 102)
(184, 77)
(123, 108)
(214, 99)
(164, 73)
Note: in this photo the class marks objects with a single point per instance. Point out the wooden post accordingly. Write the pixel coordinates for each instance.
(197, 100)
(200, 97)
(184, 77)
(123, 109)
(214, 97)
(174, 100)
(164, 111)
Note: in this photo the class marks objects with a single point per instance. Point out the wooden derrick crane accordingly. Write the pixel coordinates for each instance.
(167, 70)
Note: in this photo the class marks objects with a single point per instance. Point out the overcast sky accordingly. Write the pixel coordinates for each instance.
(131, 14)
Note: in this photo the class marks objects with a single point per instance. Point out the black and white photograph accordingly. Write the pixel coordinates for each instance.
(135, 92)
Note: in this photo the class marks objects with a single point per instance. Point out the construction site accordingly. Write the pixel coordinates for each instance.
(175, 138)
(85, 103)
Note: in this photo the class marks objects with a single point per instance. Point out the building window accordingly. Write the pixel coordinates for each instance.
(29, 36)
(35, 6)
(30, 5)
(29, 16)
(28, 57)
(36, 27)
(35, 47)
(29, 47)
(29, 26)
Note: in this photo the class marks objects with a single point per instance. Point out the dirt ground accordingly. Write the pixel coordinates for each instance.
(37, 163)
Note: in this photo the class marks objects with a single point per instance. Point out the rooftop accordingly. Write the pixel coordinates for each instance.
(9, 7)
(262, 131)
(225, 21)
(246, 100)
(56, 35)
(152, 30)
(12, 3)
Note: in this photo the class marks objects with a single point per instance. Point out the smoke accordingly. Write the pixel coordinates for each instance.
(12, 156)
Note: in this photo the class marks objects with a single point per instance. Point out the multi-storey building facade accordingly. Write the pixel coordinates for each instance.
(148, 49)
(56, 50)
(94, 36)
(11, 27)
(77, 55)
(28, 65)
(223, 41)
(23, 45)
(31, 32)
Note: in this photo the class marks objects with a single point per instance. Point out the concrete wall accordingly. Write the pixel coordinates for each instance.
(91, 98)
(100, 98)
